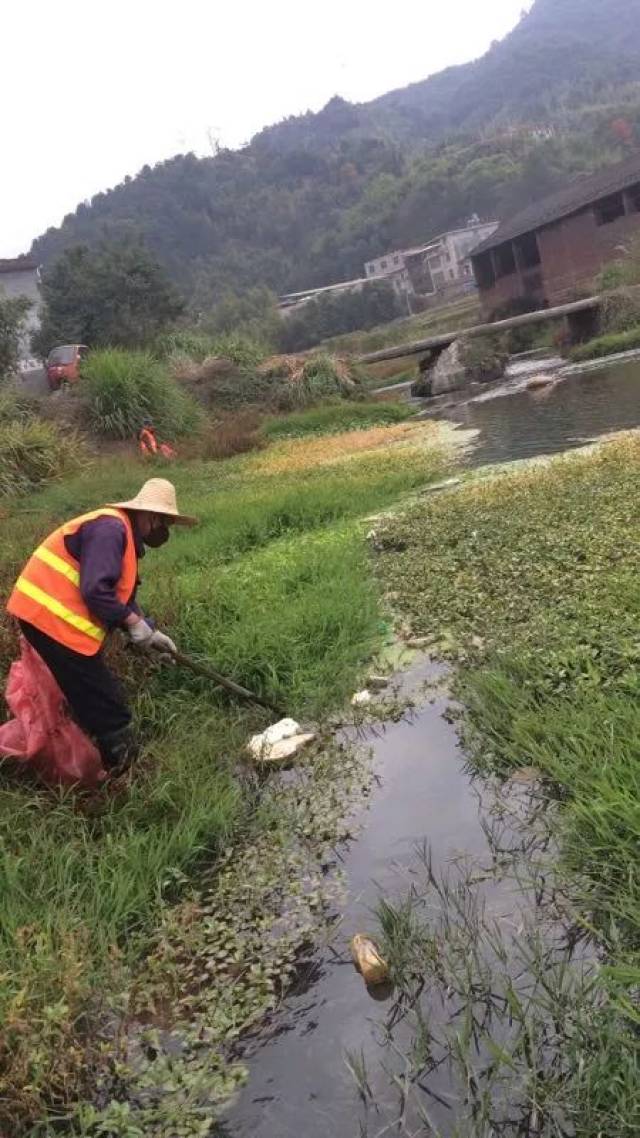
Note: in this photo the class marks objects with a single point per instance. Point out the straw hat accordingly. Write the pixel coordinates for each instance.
(158, 496)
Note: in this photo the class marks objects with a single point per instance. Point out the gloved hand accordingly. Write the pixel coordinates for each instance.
(143, 636)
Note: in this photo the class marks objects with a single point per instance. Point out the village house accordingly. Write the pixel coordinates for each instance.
(551, 252)
(19, 277)
(441, 266)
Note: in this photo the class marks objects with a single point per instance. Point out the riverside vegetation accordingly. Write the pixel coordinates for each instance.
(532, 592)
(104, 910)
(143, 931)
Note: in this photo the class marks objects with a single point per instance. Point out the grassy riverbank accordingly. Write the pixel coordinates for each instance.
(274, 585)
(110, 911)
(607, 345)
(528, 581)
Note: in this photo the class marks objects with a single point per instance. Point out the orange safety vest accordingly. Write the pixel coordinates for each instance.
(47, 592)
(148, 441)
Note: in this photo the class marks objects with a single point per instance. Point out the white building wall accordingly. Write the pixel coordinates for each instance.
(23, 282)
(385, 266)
(448, 257)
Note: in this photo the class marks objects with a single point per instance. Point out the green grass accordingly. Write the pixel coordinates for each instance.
(606, 345)
(121, 388)
(533, 591)
(16, 407)
(33, 452)
(389, 374)
(459, 314)
(529, 1029)
(243, 350)
(274, 587)
(335, 418)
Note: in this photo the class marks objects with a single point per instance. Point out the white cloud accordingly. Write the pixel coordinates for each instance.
(92, 91)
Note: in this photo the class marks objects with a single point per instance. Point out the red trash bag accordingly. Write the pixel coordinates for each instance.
(42, 732)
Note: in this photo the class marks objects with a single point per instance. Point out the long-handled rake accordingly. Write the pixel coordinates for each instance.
(230, 685)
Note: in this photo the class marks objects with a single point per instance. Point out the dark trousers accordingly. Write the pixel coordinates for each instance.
(93, 693)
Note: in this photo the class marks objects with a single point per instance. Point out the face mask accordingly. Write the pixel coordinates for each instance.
(158, 536)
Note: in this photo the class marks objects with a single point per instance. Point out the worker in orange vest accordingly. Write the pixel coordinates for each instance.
(149, 444)
(78, 586)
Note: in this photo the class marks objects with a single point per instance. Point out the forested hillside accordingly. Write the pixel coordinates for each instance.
(310, 199)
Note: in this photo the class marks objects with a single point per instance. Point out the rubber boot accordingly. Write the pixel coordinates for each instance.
(119, 749)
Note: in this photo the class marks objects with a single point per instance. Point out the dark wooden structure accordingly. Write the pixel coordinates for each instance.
(551, 252)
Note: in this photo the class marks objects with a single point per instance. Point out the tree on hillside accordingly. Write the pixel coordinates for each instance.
(13, 312)
(114, 294)
(254, 313)
(333, 314)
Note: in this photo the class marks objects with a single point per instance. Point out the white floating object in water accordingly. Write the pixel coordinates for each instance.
(280, 741)
(538, 381)
(361, 698)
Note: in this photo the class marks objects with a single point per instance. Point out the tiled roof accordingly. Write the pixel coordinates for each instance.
(574, 197)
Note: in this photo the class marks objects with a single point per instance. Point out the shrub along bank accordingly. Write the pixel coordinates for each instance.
(606, 345)
(334, 418)
(33, 452)
(121, 388)
(532, 589)
(274, 586)
(619, 326)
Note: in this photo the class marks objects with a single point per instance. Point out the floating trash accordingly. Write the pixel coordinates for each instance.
(368, 961)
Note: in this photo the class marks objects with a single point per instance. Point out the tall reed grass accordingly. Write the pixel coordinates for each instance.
(16, 407)
(124, 387)
(33, 452)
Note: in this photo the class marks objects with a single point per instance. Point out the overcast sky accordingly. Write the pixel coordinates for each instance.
(92, 90)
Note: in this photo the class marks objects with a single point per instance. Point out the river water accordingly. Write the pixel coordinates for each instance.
(513, 422)
(300, 1085)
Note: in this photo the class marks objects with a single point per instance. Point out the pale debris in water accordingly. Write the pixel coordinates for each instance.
(361, 698)
(542, 380)
(279, 742)
(368, 961)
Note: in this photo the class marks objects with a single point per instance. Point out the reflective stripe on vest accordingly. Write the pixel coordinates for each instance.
(54, 606)
(52, 559)
(47, 593)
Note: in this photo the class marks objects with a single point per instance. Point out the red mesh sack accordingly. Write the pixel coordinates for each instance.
(42, 732)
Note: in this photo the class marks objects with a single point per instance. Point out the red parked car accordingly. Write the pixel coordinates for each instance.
(63, 364)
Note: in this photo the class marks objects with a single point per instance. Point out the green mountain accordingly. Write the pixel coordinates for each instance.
(313, 197)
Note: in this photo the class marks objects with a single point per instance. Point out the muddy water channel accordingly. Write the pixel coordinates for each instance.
(513, 422)
(339, 1060)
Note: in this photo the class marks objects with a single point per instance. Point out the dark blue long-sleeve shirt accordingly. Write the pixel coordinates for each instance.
(99, 547)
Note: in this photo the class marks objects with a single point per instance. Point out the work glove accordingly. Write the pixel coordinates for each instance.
(149, 639)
